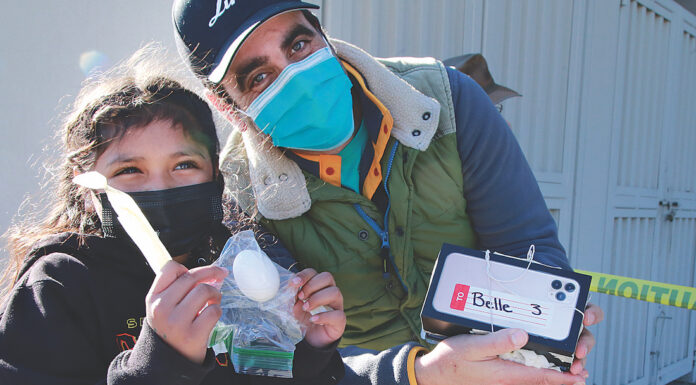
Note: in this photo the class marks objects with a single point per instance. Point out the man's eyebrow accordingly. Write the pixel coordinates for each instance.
(297, 30)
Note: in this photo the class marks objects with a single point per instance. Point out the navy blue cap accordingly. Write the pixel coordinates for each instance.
(209, 32)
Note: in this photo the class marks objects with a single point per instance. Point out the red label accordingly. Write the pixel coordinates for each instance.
(459, 297)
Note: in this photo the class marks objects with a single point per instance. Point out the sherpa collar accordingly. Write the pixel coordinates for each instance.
(278, 183)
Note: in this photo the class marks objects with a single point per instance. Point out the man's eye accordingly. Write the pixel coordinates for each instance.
(258, 79)
(127, 170)
(298, 46)
(185, 165)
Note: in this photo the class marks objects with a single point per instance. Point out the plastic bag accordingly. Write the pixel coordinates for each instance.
(260, 337)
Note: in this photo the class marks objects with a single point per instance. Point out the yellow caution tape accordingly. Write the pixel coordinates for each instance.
(656, 292)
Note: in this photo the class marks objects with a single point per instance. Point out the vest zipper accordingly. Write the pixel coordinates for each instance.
(385, 250)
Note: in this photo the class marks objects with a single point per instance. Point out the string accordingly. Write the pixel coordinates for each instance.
(530, 259)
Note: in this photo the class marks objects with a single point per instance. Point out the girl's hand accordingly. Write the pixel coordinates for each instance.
(319, 290)
(182, 309)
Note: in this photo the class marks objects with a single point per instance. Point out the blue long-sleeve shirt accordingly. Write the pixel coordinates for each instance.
(504, 203)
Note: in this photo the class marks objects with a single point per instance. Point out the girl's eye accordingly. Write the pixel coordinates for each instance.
(127, 170)
(185, 165)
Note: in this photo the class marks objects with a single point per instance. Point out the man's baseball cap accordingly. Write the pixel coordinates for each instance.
(209, 32)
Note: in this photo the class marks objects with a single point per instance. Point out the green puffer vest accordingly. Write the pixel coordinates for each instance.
(427, 209)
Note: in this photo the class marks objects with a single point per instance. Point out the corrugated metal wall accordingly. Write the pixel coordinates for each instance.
(643, 98)
(674, 345)
(540, 48)
(528, 46)
(400, 28)
(678, 266)
(628, 331)
(683, 175)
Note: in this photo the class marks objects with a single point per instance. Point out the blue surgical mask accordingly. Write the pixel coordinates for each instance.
(309, 106)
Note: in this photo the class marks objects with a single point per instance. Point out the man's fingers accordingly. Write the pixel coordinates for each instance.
(585, 344)
(527, 375)
(170, 272)
(484, 347)
(593, 315)
(315, 284)
(578, 367)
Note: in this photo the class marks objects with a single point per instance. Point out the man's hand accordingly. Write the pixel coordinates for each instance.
(319, 290)
(593, 316)
(473, 360)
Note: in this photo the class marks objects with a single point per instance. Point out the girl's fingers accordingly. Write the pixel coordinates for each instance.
(303, 277)
(176, 292)
(299, 313)
(317, 283)
(207, 319)
(335, 319)
(329, 296)
(171, 271)
(195, 300)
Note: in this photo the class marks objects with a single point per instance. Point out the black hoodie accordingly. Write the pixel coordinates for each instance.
(76, 316)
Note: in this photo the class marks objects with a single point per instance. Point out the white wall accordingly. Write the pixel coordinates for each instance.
(40, 74)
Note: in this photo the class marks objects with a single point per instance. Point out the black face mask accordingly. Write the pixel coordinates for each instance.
(182, 217)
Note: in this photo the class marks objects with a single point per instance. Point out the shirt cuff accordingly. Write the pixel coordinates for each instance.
(155, 358)
(320, 365)
(411, 363)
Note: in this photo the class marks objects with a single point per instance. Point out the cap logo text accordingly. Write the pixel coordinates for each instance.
(222, 6)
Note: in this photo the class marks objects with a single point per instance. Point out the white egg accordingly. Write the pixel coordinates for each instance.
(256, 276)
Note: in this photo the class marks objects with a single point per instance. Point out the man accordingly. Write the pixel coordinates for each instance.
(363, 168)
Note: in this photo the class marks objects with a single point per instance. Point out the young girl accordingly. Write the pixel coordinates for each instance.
(83, 307)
